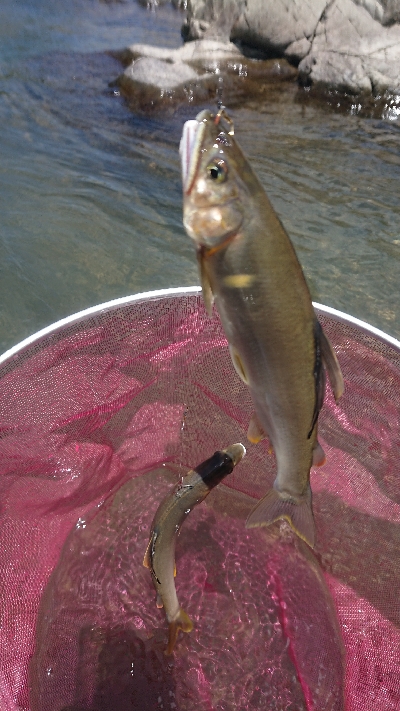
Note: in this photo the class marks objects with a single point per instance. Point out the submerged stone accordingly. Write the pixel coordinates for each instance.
(159, 74)
(198, 71)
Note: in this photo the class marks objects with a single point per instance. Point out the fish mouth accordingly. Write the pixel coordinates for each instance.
(189, 150)
(192, 139)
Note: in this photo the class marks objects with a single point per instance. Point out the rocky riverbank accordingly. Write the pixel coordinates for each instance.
(345, 51)
(351, 45)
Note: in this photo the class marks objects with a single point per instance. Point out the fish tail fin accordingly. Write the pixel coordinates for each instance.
(182, 622)
(298, 513)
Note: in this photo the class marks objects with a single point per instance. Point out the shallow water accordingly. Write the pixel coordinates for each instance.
(90, 194)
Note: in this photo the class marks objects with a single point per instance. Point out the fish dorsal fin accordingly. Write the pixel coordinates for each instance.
(238, 365)
(332, 365)
(208, 296)
(319, 376)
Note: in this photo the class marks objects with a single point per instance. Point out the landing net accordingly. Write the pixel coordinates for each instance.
(99, 416)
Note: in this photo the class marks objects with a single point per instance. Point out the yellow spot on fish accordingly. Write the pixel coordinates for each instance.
(253, 439)
(239, 281)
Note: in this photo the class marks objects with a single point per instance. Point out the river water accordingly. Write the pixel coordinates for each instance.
(90, 194)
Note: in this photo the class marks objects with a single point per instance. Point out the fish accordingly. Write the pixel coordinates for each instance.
(249, 268)
(169, 517)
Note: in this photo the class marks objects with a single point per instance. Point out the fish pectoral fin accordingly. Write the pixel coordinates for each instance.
(297, 513)
(255, 432)
(208, 296)
(159, 601)
(174, 570)
(332, 365)
(181, 622)
(319, 377)
(238, 365)
(319, 456)
(146, 559)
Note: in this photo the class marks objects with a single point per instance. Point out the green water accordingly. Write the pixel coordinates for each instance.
(91, 196)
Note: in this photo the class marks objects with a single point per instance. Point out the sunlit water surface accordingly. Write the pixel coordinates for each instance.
(91, 205)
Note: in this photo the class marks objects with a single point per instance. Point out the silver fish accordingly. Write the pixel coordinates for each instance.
(248, 265)
(160, 553)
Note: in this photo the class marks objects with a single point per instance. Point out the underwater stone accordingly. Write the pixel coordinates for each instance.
(151, 83)
(155, 72)
(198, 71)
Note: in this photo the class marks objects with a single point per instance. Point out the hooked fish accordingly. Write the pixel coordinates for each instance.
(168, 519)
(249, 267)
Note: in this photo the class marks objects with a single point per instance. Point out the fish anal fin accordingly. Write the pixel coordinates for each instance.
(297, 513)
(208, 296)
(238, 365)
(181, 622)
(319, 456)
(332, 365)
(255, 432)
(146, 559)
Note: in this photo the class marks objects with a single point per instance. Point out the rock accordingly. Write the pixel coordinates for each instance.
(149, 82)
(269, 25)
(351, 45)
(212, 19)
(352, 51)
(274, 25)
(162, 75)
(201, 53)
(391, 13)
(199, 71)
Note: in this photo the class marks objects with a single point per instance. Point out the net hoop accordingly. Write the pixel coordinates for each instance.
(179, 291)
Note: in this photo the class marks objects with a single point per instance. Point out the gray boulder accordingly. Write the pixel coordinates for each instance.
(346, 44)
(269, 25)
(351, 50)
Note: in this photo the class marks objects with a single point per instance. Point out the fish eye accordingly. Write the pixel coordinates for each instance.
(218, 170)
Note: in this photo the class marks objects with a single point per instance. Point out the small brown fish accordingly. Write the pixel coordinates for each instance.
(249, 267)
(160, 553)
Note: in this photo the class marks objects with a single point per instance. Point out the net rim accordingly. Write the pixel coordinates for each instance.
(14, 352)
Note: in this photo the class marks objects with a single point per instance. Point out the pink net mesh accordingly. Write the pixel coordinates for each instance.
(98, 419)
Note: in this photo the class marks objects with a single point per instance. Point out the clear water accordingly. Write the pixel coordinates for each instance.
(90, 194)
